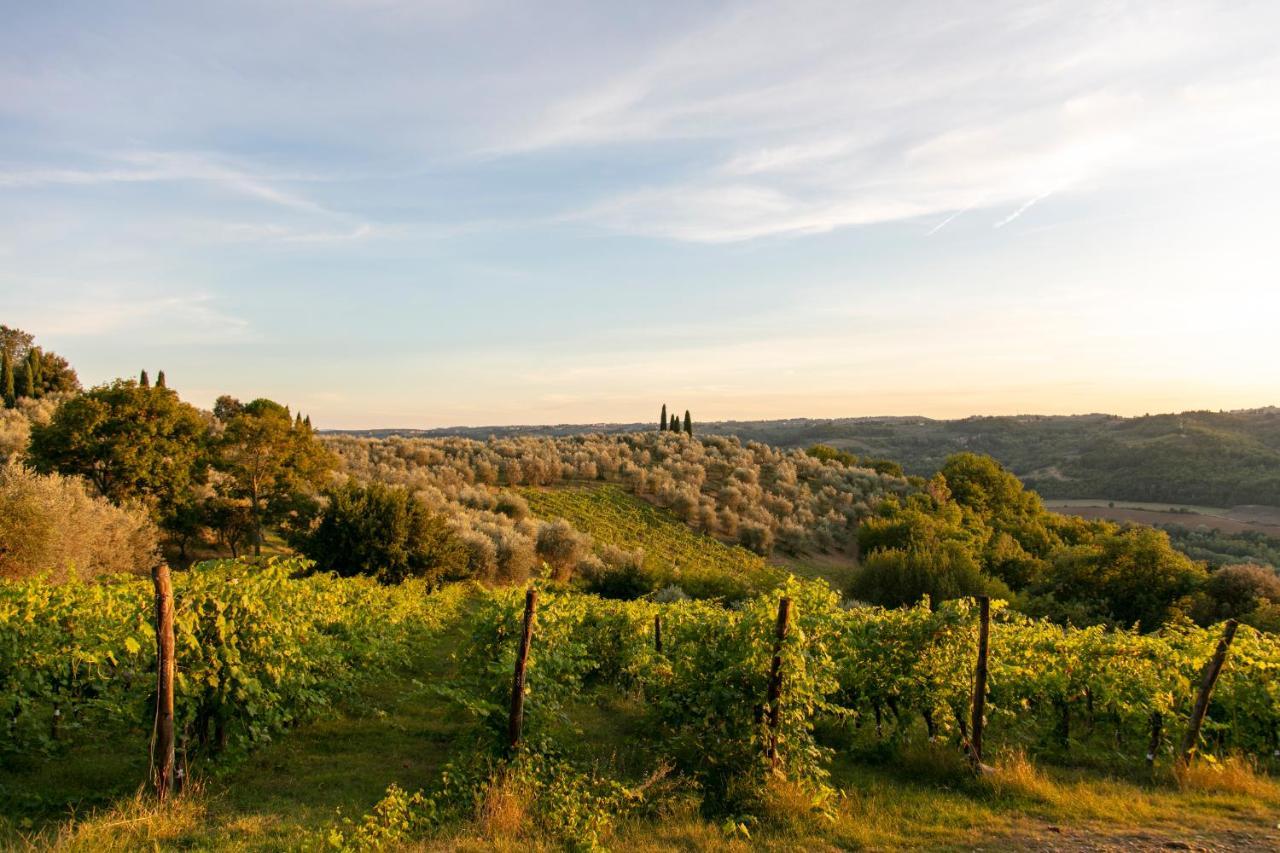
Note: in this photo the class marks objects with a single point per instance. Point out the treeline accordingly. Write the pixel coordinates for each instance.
(95, 481)
(1199, 457)
(974, 529)
(1220, 548)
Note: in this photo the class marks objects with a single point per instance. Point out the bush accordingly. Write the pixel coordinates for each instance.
(51, 523)
(562, 547)
(386, 532)
(621, 574)
(893, 577)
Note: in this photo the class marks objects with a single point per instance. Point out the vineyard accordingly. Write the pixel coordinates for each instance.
(719, 702)
(258, 651)
(701, 565)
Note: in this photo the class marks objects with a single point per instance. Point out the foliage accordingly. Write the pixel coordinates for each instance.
(1220, 548)
(258, 649)
(131, 443)
(385, 532)
(51, 526)
(1052, 688)
(975, 528)
(1198, 457)
(620, 524)
(272, 463)
(32, 371)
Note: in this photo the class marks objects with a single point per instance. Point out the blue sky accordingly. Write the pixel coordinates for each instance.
(420, 214)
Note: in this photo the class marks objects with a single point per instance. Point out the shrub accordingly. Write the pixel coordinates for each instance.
(894, 577)
(384, 531)
(562, 547)
(51, 523)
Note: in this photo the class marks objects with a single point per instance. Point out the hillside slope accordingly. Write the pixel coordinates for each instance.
(1211, 458)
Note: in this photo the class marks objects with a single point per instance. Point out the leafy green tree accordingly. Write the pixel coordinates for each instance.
(383, 531)
(662, 419)
(1125, 577)
(130, 442)
(688, 423)
(273, 465)
(143, 380)
(6, 380)
(160, 383)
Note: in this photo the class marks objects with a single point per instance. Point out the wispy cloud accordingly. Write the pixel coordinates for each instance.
(866, 120)
(164, 314)
(170, 167)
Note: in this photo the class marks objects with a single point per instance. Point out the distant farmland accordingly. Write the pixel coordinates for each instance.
(1240, 519)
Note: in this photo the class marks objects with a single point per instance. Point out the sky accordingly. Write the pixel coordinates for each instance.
(416, 214)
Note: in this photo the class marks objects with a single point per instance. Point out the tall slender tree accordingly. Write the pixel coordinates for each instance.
(662, 419)
(160, 380)
(35, 362)
(144, 381)
(6, 379)
(688, 423)
(674, 426)
(28, 388)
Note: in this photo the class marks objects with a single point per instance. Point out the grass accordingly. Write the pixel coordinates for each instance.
(672, 550)
(399, 731)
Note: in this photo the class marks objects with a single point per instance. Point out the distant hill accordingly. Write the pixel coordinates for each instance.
(1209, 458)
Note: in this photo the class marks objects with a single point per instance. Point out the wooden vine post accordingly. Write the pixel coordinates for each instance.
(162, 735)
(657, 633)
(1157, 731)
(775, 679)
(515, 722)
(978, 719)
(1207, 678)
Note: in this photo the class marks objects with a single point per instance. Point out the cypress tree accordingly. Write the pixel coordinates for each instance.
(662, 419)
(675, 423)
(160, 380)
(36, 361)
(29, 376)
(6, 379)
(688, 423)
(307, 422)
(144, 380)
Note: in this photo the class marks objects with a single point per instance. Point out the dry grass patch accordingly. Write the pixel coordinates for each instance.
(1233, 775)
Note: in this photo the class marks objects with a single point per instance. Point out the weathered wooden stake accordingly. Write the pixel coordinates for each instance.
(775, 678)
(162, 742)
(1207, 679)
(516, 721)
(1157, 731)
(657, 633)
(980, 682)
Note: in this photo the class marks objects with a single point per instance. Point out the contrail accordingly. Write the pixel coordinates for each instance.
(1025, 207)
